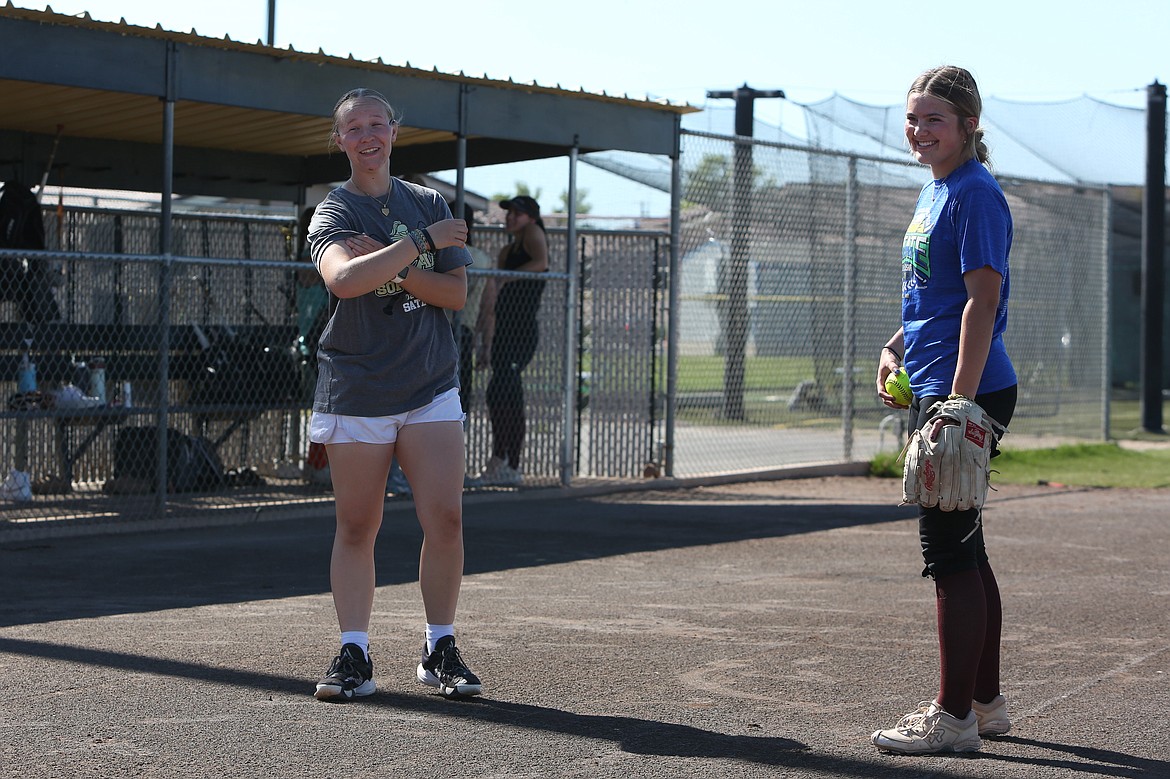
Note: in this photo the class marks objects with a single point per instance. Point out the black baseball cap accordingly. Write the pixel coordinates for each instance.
(522, 203)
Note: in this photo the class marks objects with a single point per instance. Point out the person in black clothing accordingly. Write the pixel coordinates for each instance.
(508, 327)
(27, 282)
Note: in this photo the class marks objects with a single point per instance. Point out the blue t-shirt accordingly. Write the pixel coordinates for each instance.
(961, 223)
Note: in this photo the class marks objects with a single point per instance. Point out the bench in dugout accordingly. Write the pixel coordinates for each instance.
(213, 374)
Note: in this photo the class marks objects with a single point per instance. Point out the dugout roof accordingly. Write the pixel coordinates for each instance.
(252, 121)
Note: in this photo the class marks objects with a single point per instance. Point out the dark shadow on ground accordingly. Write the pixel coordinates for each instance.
(1092, 761)
(71, 578)
(632, 734)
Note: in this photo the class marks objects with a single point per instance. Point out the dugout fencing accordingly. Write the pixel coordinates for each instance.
(749, 350)
(206, 382)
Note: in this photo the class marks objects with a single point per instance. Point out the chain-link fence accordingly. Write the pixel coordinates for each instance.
(166, 387)
(790, 284)
(180, 386)
(611, 377)
(140, 386)
(514, 392)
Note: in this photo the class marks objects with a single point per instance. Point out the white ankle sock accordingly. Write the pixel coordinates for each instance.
(359, 637)
(435, 632)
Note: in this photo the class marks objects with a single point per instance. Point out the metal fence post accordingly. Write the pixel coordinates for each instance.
(571, 377)
(1106, 310)
(165, 279)
(849, 306)
(674, 278)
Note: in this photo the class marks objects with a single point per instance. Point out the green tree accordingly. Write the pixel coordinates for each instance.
(709, 184)
(583, 205)
(521, 189)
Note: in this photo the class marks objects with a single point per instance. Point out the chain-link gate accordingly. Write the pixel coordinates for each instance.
(148, 383)
(620, 419)
(540, 421)
(618, 367)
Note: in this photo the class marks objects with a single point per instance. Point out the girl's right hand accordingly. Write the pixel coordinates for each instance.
(449, 232)
(887, 365)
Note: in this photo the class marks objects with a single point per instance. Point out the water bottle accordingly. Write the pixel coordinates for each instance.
(127, 400)
(97, 378)
(26, 377)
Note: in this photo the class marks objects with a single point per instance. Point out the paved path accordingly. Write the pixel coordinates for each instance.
(751, 630)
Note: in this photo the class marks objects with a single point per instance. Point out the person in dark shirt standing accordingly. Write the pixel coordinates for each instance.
(510, 332)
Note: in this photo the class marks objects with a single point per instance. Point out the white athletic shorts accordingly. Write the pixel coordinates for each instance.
(343, 429)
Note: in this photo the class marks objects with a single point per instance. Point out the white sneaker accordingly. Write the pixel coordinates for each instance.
(507, 476)
(928, 730)
(993, 717)
(497, 473)
(488, 474)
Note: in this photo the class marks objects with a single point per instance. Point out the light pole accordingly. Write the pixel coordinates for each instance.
(1153, 258)
(733, 282)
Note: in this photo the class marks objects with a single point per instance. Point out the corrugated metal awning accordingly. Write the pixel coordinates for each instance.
(253, 121)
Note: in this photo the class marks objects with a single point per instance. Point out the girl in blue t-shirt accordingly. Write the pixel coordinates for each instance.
(955, 285)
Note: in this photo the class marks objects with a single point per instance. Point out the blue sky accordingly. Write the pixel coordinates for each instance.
(868, 51)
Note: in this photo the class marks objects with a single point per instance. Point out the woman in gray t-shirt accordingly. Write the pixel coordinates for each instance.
(393, 259)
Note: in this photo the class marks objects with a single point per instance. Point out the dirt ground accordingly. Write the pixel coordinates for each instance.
(760, 629)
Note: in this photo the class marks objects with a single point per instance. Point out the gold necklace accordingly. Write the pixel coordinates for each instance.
(385, 205)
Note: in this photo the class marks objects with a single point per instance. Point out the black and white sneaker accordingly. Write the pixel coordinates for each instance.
(445, 670)
(350, 674)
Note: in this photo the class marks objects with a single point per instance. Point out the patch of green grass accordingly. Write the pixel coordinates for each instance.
(1085, 465)
(704, 373)
(886, 465)
(1081, 465)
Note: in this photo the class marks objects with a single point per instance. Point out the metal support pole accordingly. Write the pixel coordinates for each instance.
(168, 149)
(271, 22)
(1106, 308)
(461, 155)
(1153, 256)
(572, 378)
(165, 271)
(672, 304)
(733, 279)
(849, 323)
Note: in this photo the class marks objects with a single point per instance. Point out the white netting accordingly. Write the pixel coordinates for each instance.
(1079, 141)
(1075, 141)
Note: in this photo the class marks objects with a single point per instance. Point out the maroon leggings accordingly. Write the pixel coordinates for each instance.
(970, 615)
(970, 619)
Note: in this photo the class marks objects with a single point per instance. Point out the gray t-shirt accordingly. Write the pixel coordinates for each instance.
(385, 352)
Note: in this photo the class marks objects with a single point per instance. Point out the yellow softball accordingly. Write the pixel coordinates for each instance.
(898, 385)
